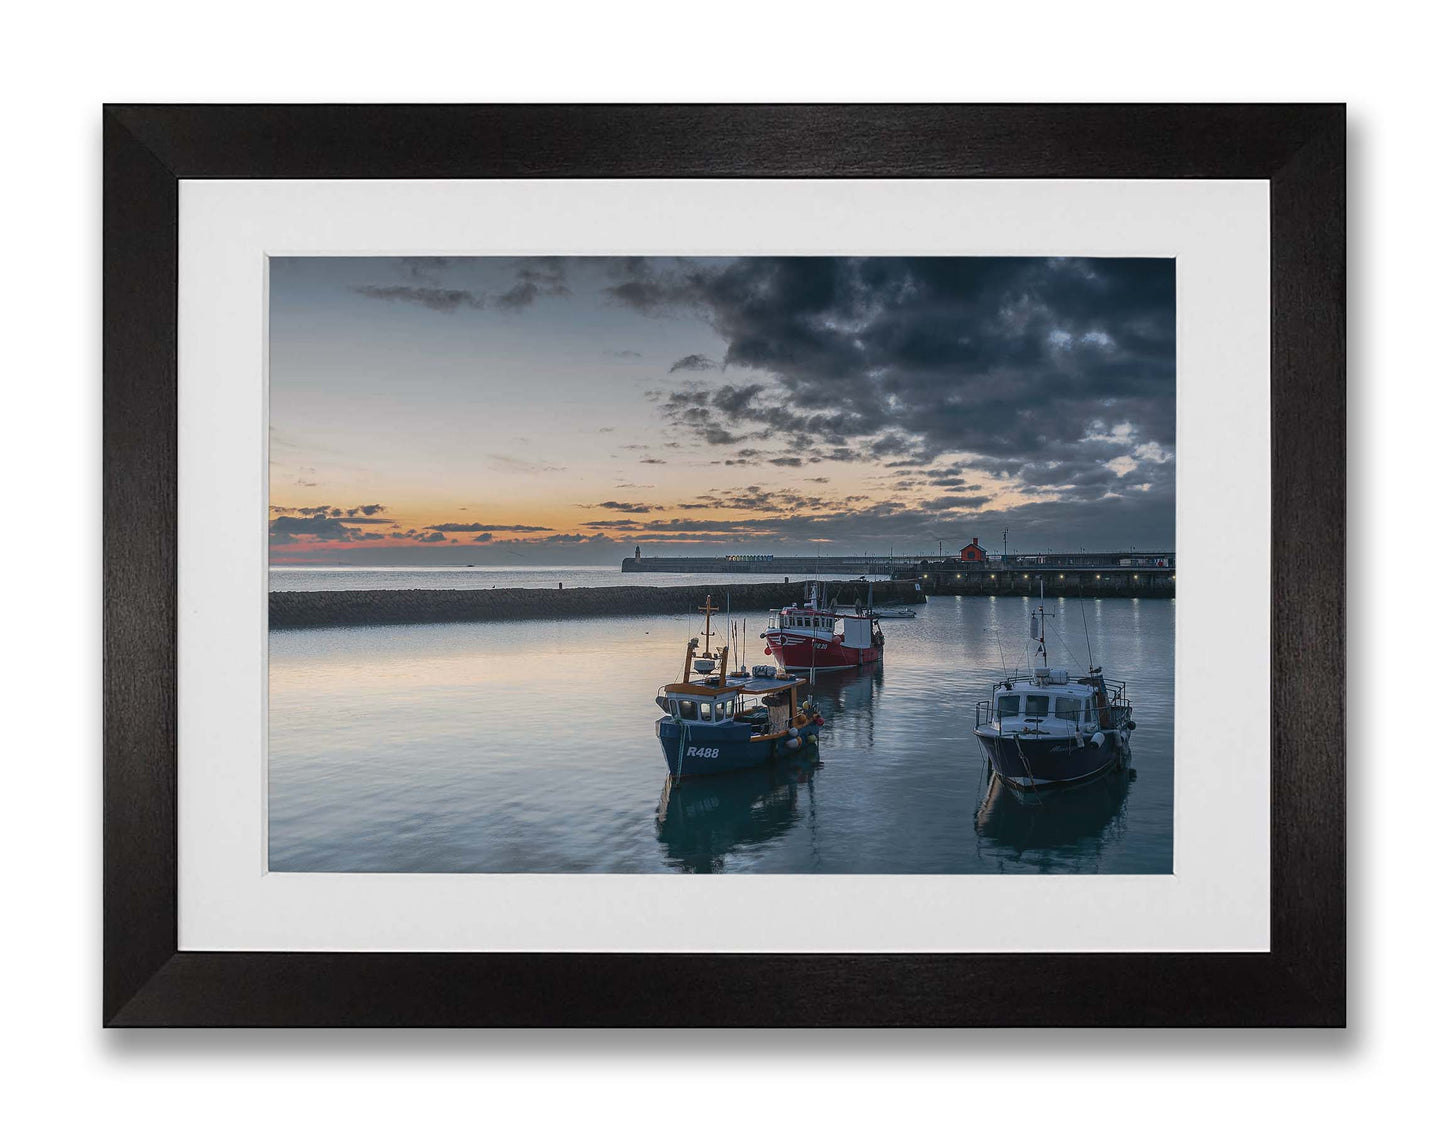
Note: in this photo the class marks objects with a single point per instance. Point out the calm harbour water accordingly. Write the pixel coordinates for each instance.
(529, 747)
(462, 577)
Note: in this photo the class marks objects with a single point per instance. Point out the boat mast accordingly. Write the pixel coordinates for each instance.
(1043, 641)
(707, 609)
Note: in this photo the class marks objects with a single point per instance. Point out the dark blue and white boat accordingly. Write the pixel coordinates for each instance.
(721, 721)
(1051, 729)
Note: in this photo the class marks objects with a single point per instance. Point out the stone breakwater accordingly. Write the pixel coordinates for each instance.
(296, 609)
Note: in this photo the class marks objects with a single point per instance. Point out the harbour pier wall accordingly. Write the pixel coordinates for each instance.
(300, 609)
(800, 566)
(1126, 574)
(1091, 583)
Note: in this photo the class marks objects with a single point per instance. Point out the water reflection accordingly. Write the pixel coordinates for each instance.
(848, 699)
(701, 821)
(1055, 830)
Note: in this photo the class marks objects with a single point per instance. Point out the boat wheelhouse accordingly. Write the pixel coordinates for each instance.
(818, 638)
(729, 721)
(1050, 728)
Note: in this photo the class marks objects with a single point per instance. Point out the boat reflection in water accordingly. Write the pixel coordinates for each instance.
(848, 700)
(851, 690)
(1058, 829)
(703, 820)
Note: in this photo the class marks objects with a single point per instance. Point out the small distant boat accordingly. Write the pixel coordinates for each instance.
(1050, 729)
(894, 612)
(818, 638)
(729, 721)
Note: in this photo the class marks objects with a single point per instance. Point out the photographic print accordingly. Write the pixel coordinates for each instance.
(721, 565)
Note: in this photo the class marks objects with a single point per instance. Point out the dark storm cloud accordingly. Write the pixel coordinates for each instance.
(731, 399)
(1060, 366)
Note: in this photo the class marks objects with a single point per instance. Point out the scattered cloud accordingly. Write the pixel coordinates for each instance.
(534, 278)
(474, 527)
(429, 297)
(693, 363)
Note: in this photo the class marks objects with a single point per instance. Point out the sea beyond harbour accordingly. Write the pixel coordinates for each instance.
(529, 746)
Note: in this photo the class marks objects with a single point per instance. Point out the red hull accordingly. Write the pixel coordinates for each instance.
(799, 654)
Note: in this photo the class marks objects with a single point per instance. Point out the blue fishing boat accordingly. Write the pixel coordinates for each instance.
(721, 721)
(1051, 729)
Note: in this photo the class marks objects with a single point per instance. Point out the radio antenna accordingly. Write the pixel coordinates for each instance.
(1002, 661)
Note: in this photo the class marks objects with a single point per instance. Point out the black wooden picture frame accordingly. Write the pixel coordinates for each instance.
(1299, 149)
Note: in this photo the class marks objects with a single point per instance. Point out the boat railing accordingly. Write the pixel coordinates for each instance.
(1114, 689)
(983, 710)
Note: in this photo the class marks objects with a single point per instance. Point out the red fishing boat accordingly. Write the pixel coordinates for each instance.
(818, 636)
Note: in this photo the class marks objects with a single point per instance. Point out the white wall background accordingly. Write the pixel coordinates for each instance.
(63, 61)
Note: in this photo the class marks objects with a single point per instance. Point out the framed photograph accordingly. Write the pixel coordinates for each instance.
(724, 565)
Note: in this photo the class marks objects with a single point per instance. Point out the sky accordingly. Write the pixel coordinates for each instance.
(554, 411)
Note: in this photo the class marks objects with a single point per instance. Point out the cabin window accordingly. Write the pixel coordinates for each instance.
(1036, 707)
(1068, 708)
(704, 710)
(1008, 706)
(687, 710)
